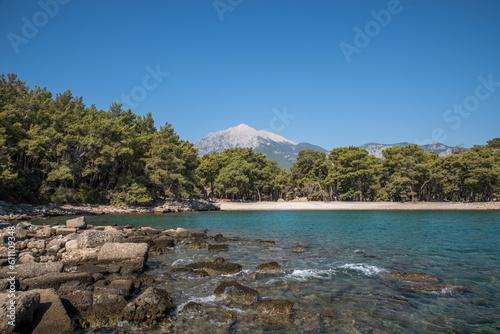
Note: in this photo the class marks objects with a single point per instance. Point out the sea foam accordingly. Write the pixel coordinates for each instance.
(363, 268)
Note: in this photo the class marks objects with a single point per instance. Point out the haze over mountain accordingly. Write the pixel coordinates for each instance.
(275, 147)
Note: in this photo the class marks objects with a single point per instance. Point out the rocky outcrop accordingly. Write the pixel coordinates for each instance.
(9, 211)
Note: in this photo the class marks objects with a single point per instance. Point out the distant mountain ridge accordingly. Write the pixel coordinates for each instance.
(376, 149)
(275, 147)
(282, 150)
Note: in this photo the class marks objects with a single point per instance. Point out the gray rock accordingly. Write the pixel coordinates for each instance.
(28, 270)
(94, 238)
(25, 305)
(78, 223)
(55, 245)
(37, 244)
(150, 308)
(54, 280)
(51, 316)
(80, 300)
(65, 231)
(17, 313)
(81, 256)
(133, 253)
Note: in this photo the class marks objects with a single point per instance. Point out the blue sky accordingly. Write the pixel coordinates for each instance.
(324, 72)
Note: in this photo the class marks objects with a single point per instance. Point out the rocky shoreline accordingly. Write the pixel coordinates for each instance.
(9, 211)
(76, 278)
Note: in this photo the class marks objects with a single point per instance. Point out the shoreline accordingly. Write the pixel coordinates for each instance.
(327, 206)
(16, 212)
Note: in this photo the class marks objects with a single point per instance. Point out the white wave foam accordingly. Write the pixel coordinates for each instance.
(306, 274)
(200, 300)
(363, 268)
(182, 261)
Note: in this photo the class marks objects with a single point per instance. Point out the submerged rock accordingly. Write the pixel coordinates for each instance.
(269, 267)
(218, 266)
(421, 282)
(234, 291)
(217, 248)
(299, 249)
(275, 307)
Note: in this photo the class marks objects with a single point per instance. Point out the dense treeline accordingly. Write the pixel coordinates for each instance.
(58, 150)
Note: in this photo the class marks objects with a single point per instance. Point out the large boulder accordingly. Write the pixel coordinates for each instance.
(51, 316)
(54, 280)
(80, 300)
(150, 308)
(125, 253)
(81, 256)
(78, 223)
(218, 266)
(19, 317)
(34, 269)
(234, 291)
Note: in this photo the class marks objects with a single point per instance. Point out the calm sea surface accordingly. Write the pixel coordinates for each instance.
(336, 284)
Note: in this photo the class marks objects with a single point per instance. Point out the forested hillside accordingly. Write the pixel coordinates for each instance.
(57, 150)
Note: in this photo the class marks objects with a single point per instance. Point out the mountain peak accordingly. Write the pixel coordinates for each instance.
(274, 146)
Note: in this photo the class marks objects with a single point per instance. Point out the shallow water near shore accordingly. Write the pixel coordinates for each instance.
(336, 283)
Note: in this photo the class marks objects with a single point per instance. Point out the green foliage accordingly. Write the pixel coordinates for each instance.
(58, 150)
(494, 143)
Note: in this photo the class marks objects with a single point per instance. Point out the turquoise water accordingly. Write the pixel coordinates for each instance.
(336, 284)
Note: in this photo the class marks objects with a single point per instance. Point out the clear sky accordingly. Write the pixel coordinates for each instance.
(328, 72)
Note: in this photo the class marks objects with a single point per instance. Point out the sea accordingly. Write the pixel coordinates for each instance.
(339, 284)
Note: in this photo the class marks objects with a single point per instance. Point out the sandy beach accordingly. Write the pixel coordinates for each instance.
(291, 205)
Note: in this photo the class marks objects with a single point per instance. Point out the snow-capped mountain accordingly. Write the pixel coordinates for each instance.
(376, 149)
(274, 146)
